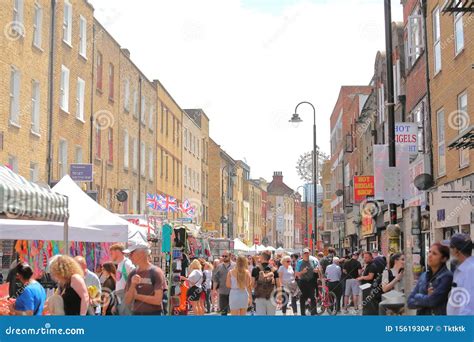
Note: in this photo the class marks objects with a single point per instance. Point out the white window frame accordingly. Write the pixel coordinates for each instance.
(67, 23)
(83, 36)
(37, 26)
(135, 154)
(126, 149)
(62, 158)
(436, 18)
(34, 172)
(151, 159)
(397, 80)
(458, 30)
(80, 99)
(142, 158)
(381, 103)
(78, 155)
(185, 138)
(463, 115)
(415, 38)
(143, 110)
(441, 135)
(64, 89)
(151, 116)
(135, 104)
(35, 106)
(13, 162)
(126, 98)
(15, 86)
(18, 23)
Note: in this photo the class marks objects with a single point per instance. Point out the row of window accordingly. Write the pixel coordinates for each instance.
(67, 22)
(441, 127)
(132, 142)
(192, 179)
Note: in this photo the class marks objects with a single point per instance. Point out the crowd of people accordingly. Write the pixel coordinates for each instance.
(364, 282)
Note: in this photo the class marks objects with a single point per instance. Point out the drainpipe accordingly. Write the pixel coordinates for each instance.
(139, 171)
(91, 132)
(49, 160)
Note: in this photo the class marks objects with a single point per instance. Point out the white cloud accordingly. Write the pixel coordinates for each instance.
(248, 66)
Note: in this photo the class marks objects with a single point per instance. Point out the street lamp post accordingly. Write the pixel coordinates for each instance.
(296, 119)
(305, 209)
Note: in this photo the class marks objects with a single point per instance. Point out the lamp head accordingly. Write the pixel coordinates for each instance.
(295, 118)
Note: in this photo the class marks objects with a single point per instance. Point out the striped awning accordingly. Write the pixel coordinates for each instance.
(20, 198)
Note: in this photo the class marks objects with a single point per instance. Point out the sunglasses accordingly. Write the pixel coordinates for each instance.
(225, 256)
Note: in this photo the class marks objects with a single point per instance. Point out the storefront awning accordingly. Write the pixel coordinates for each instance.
(458, 6)
(465, 140)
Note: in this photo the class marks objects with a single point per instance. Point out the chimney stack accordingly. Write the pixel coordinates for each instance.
(278, 176)
(126, 52)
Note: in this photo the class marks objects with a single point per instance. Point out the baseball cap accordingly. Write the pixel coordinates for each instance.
(305, 250)
(461, 242)
(355, 253)
(133, 246)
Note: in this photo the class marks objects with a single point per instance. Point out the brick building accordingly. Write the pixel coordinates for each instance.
(451, 47)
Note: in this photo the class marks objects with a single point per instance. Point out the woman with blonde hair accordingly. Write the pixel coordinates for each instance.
(195, 280)
(239, 282)
(70, 277)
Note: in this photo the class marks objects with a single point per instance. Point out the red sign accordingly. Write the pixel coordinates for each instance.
(305, 241)
(256, 241)
(363, 187)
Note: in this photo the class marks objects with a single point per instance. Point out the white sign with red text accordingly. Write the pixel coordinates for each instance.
(406, 133)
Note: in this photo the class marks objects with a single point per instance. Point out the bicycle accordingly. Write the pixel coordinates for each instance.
(325, 300)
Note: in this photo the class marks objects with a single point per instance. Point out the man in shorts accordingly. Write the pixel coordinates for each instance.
(351, 270)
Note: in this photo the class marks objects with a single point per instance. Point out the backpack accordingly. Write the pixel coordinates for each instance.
(325, 262)
(265, 283)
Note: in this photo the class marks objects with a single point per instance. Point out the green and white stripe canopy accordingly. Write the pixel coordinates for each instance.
(20, 198)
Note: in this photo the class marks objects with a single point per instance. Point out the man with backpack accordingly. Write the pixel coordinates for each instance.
(307, 271)
(265, 281)
(145, 285)
(124, 268)
(327, 260)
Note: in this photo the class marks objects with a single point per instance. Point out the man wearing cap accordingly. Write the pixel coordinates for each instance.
(307, 270)
(461, 298)
(124, 268)
(145, 285)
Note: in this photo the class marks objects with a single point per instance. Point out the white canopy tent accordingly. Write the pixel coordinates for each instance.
(240, 246)
(254, 249)
(85, 212)
(270, 248)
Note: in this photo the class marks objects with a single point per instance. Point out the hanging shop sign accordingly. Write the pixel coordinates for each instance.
(363, 187)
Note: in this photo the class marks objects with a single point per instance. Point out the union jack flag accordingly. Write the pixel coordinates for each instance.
(168, 203)
(152, 201)
(187, 208)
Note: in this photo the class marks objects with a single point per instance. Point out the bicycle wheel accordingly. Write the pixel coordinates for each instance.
(320, 308)
(332, 304)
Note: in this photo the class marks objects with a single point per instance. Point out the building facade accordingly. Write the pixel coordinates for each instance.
(451, 47)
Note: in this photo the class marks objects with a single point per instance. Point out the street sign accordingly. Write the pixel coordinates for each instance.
(363, 187)
(81, 172)
(338, 217)
(185, 219)
(393, 186)
(406, 133)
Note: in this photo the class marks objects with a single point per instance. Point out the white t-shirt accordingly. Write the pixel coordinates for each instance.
(208, 274)
(124, 268)
(195, 278)
(288, 274)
